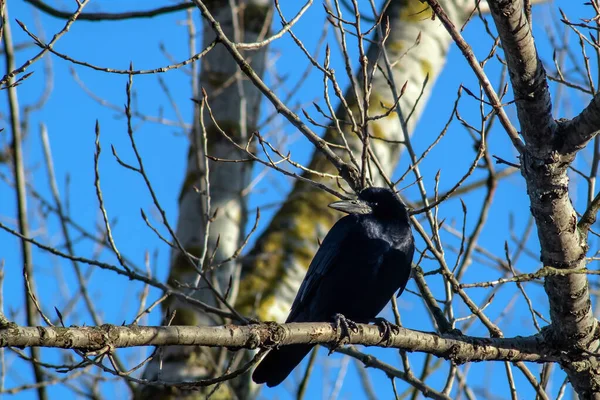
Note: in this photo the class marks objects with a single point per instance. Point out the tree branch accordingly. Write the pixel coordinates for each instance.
(583, 128)
(459, 349)
(99, 16)
(527, 74)
(478, 70)
(346, 171)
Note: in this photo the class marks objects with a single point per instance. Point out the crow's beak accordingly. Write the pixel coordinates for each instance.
(352, 206)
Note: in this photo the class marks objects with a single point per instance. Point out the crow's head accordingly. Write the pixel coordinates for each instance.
(377, 201)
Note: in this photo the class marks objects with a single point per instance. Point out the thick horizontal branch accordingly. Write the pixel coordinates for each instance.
(459, 349)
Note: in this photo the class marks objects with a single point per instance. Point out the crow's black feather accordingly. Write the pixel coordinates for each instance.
(364, 259)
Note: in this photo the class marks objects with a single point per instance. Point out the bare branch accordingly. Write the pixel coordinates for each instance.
(459, 349)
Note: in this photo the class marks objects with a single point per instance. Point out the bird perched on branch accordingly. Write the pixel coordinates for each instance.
(364, 259)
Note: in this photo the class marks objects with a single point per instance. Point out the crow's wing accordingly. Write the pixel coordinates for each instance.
(346, 243)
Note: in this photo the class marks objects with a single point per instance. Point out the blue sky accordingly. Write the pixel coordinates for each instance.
(70, 114)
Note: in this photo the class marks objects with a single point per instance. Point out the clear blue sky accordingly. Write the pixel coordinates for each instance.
(70, 115)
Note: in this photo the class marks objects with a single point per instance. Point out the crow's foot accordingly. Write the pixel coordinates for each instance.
(386, 328)
(344, 326)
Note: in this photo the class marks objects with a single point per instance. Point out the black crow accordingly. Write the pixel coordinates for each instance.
(363, 260)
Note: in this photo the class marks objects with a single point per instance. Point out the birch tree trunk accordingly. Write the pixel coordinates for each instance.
(235, 106)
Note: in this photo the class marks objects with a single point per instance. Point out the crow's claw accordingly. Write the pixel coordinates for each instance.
(344, 326)
(386, 328)
(344, 323)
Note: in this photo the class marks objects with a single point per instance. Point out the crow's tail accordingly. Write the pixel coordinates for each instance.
(278, 364)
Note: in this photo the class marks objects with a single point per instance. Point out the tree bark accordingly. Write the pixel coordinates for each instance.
(459, 349)
(550, 149)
